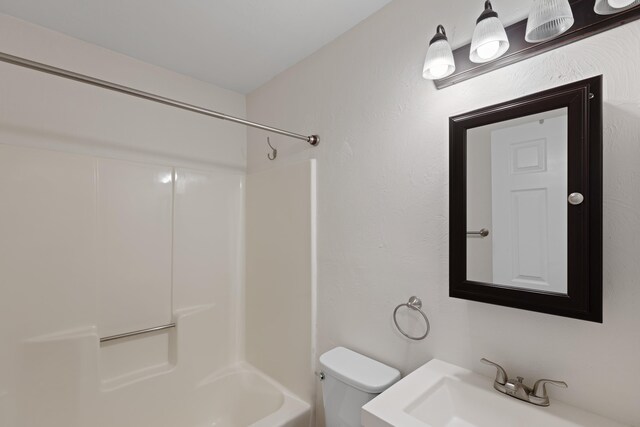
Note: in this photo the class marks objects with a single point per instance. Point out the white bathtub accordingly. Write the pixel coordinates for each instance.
(62, 385)
(244, 397)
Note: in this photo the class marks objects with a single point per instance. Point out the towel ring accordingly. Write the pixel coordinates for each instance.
(414, 303)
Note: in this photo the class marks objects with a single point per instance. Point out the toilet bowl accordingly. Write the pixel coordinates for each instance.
(350, 381)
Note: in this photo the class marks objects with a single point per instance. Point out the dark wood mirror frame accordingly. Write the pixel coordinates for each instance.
(583, 300)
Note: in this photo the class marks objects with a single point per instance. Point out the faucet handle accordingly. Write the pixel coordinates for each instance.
(501, 375)
(539, 394)
(540, 387)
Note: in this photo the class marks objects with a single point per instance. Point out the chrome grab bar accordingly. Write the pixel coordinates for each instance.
(482, 233)
(140, 332)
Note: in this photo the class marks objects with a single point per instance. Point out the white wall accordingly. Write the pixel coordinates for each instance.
(383, 197)
(280, 279)
(117, 214)
(46, 111)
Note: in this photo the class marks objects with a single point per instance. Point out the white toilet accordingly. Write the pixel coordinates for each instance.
(350, 381)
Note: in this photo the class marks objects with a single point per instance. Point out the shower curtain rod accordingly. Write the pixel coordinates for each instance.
(37, 66)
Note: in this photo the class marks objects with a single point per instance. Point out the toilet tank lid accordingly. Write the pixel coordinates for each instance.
(358, 371)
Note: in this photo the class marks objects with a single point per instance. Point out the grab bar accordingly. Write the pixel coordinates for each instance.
(482, 233)
(140, 332)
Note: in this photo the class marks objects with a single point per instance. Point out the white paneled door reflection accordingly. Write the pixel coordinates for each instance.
(135, 242)
(529, 207)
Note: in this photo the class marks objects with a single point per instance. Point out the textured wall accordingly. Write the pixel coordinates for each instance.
(383, 199)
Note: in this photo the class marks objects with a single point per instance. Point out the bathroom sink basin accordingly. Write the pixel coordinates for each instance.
(440, 394)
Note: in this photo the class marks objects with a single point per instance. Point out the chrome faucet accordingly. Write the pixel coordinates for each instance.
(516, 388)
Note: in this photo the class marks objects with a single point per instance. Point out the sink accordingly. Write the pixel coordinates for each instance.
(440, 394)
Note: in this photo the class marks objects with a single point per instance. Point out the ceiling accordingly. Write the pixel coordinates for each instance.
(235, 44)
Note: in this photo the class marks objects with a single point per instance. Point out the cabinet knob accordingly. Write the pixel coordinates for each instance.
(575, 198)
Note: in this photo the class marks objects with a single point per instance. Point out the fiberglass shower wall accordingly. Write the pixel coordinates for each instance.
(116, 214)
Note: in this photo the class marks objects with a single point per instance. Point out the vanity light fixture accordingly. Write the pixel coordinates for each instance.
(609, 7)
(489, 38)
(549, 25)
(548, 19)
(439, 62)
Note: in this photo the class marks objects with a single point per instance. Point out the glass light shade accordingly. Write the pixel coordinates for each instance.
(548, 19)
(489, 41)
(609, 7)
(439, 61)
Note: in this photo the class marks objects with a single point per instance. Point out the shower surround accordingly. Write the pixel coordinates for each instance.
(119, 215)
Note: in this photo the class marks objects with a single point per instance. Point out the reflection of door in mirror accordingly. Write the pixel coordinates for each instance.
(517, 189)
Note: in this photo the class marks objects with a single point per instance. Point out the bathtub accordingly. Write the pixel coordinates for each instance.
(240, 396)
(72, 391)
(244, 397)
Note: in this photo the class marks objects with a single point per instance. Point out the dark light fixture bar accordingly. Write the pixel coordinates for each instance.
(587, 23)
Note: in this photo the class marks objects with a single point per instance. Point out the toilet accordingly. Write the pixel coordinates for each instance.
(350, 381)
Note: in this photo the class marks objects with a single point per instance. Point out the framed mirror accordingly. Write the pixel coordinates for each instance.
(526, 202)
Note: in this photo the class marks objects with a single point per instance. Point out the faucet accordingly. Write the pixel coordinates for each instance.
(516, 387)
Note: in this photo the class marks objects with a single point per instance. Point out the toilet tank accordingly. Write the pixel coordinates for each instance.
(350, 381)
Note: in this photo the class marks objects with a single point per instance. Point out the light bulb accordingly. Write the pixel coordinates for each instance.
(439, 70)
(489, 40)
(488, 50)
(611, 7)
(439, 62)
(619, 4)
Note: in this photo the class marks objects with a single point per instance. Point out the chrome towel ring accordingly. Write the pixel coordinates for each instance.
(414, 303)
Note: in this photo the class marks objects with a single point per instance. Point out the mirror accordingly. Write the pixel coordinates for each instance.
(517, 203)
(526, 208)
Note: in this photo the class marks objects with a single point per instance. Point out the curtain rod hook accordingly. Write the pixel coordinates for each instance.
(274, 154)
